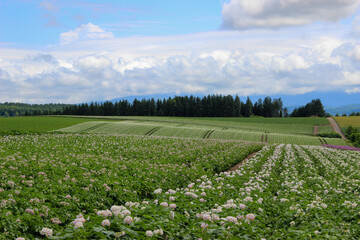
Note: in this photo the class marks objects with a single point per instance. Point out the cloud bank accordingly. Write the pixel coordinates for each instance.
(327, 65)
(91, 64)
(245, 14)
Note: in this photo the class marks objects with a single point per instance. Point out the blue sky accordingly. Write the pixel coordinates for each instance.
(39, 23)
(80, 51)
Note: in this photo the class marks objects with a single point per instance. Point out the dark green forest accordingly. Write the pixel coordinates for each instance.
(24, 109)
(178, 106)
(187, 106)
(353, 134)
(313, 108)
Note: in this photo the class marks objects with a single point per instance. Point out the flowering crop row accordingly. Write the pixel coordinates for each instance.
(283, 192)
(46, 180)
(342, 147)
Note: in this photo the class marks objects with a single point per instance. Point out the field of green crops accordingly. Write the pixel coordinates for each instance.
(276, 130)
(47, 177)
(348, 121)
(38, 124)
(302, 126)
(265, 130)
(103, 186)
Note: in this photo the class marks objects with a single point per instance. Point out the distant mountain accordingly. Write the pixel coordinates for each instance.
(343, 109)
(156, 97)
(333, 110)
(132, 98)
(291, 108)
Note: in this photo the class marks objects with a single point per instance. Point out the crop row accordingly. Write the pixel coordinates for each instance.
(278, 125)
(92, 187)
(325, 129)
(46, 180)
(284, 192)
(192, 131)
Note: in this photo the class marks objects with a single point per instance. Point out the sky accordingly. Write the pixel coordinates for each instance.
(73, 51)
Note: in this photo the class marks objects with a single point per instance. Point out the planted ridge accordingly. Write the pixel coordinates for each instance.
(149, 133)
(211, 132)
(168, 129)
(93, 127)
(208, 133)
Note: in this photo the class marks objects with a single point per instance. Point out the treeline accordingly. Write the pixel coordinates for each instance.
(350, 115)
(186, 106)
(353, 134)
(354, 114)
(313, 108)
(23, 109)
(178, 106)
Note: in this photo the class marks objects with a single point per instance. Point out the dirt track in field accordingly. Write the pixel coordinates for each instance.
(242, 162)
(316, 130)
(336, 127)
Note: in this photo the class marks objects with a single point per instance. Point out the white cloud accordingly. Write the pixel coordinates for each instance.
(85, 32)
(228, 63)
(92, 63)
(350, 79)
(353, 90)
(288, 63)
(137, 63)
(245, 14)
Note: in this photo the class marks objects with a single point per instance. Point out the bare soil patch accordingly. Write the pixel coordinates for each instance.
(316, 130)
(242, 162)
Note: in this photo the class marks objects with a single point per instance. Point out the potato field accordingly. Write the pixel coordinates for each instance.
(169, 178)
(81, 186)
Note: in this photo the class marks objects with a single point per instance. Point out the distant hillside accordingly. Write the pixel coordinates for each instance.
(343, 109)
(291, 108)
(334, 110)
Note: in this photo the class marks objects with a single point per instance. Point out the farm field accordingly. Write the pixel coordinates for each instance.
(48, 179)
(348, 121)
(96, 186)
(303, 126)
(280, 130)
(179, 120)
(38, 124)
(325, 129)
